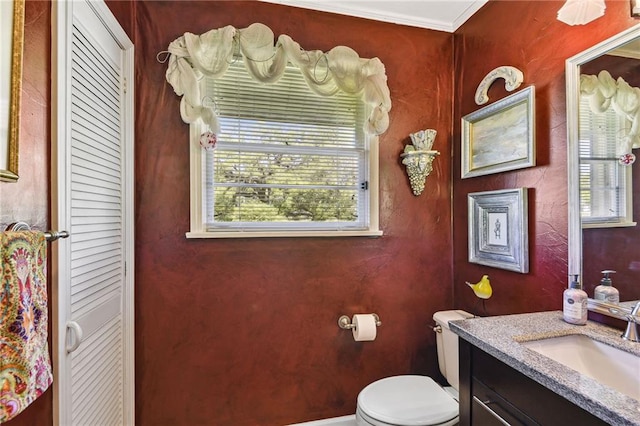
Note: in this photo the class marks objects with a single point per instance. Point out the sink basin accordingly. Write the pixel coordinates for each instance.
(610, 366)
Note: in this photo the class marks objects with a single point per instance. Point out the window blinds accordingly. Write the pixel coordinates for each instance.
(286, 157)
(603, 181)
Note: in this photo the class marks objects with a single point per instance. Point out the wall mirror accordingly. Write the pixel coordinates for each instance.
(604, 192)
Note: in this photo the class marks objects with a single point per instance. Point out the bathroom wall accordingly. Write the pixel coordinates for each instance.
(28, 198)
(528, 36)
(244, 331)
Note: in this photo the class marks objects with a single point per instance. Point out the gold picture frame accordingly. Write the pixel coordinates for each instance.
(13, 36)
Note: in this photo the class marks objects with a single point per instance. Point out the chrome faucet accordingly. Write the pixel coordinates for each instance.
(631, 333)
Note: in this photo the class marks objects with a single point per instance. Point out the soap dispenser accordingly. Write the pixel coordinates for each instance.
(574, 306)
(605, 291)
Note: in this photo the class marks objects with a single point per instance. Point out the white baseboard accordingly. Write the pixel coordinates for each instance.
(335, 421)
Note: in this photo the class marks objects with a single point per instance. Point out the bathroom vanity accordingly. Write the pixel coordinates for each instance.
(505, 381)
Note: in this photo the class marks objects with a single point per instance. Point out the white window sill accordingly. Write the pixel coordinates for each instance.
(608, 225)
(279, 234)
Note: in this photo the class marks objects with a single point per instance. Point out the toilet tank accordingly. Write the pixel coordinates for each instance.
(447, 343)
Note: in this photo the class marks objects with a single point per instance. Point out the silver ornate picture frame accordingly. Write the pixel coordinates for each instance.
(499, 229)
(500, 136)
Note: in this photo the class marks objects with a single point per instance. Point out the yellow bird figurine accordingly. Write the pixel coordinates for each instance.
(482, 288)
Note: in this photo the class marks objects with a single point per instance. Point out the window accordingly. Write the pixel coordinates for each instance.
(605, 184)
(287, 162)
(297, 134)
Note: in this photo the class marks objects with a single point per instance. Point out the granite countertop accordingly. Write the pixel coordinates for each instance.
(500, 336)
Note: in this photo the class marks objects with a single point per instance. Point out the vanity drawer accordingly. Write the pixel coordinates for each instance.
(495, 389)
(489, 409)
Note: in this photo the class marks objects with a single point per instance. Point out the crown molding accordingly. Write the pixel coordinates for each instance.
(375, 10)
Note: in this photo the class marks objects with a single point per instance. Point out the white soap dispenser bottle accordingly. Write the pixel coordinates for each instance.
(574, 306)
(605, 291)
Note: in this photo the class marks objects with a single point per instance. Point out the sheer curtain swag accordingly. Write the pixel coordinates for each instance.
(191, 57)
(604, 92)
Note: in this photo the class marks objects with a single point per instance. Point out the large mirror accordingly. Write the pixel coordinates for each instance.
(603, 119)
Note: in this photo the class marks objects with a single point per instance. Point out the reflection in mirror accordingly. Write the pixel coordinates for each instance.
(603, 120)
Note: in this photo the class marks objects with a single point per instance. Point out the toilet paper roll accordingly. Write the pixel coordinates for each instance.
(365, 327)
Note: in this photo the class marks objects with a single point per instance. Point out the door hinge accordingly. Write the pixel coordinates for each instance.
(364, 185)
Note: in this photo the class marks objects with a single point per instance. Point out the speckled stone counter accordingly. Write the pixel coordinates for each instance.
(500, 336)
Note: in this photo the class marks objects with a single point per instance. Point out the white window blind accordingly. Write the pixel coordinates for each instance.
(605, 184)
(286, 159)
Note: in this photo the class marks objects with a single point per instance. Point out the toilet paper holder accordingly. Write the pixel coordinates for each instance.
(344, 322)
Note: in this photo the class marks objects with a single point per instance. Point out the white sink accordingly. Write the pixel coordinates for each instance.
(608, 365)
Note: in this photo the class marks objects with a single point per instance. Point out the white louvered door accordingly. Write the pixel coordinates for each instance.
(92, 163)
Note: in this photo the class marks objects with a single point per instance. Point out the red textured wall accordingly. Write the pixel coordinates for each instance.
(28, 198)
(618, 66)
(244, 331)
(528, 36)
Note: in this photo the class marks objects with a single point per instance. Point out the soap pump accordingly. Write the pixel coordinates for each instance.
(605, 291)
(574, 306)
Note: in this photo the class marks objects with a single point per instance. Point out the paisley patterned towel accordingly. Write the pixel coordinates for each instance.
(25, 368)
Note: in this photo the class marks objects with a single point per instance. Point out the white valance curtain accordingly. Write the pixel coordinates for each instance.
(194, 56)
(604, 92)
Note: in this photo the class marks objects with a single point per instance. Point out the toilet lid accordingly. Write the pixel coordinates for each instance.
(407, 401)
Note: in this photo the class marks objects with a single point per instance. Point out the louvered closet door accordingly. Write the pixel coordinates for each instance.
(94, 280)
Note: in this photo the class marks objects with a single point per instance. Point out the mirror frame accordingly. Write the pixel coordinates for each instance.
(572, 70)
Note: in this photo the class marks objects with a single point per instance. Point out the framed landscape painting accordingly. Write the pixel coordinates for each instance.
(500, 136)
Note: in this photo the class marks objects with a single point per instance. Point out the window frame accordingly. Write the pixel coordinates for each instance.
(198, 206)
(625, 216)
(624, 220)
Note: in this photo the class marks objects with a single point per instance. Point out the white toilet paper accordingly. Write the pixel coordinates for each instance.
(365, 327)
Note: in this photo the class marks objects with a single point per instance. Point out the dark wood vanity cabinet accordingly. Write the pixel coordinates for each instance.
(492, 393)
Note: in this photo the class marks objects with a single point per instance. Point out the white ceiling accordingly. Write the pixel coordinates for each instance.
(629, 50)
(443, 15)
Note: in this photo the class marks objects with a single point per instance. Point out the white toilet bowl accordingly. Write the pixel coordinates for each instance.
(417, 400)
(406, 401)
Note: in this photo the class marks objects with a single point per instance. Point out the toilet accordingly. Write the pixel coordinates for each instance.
(410, 400)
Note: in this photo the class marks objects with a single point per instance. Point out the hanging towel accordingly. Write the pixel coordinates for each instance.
(25, 367)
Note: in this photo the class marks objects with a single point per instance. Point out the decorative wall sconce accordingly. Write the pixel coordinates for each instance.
(418, 158)
(581, 12)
